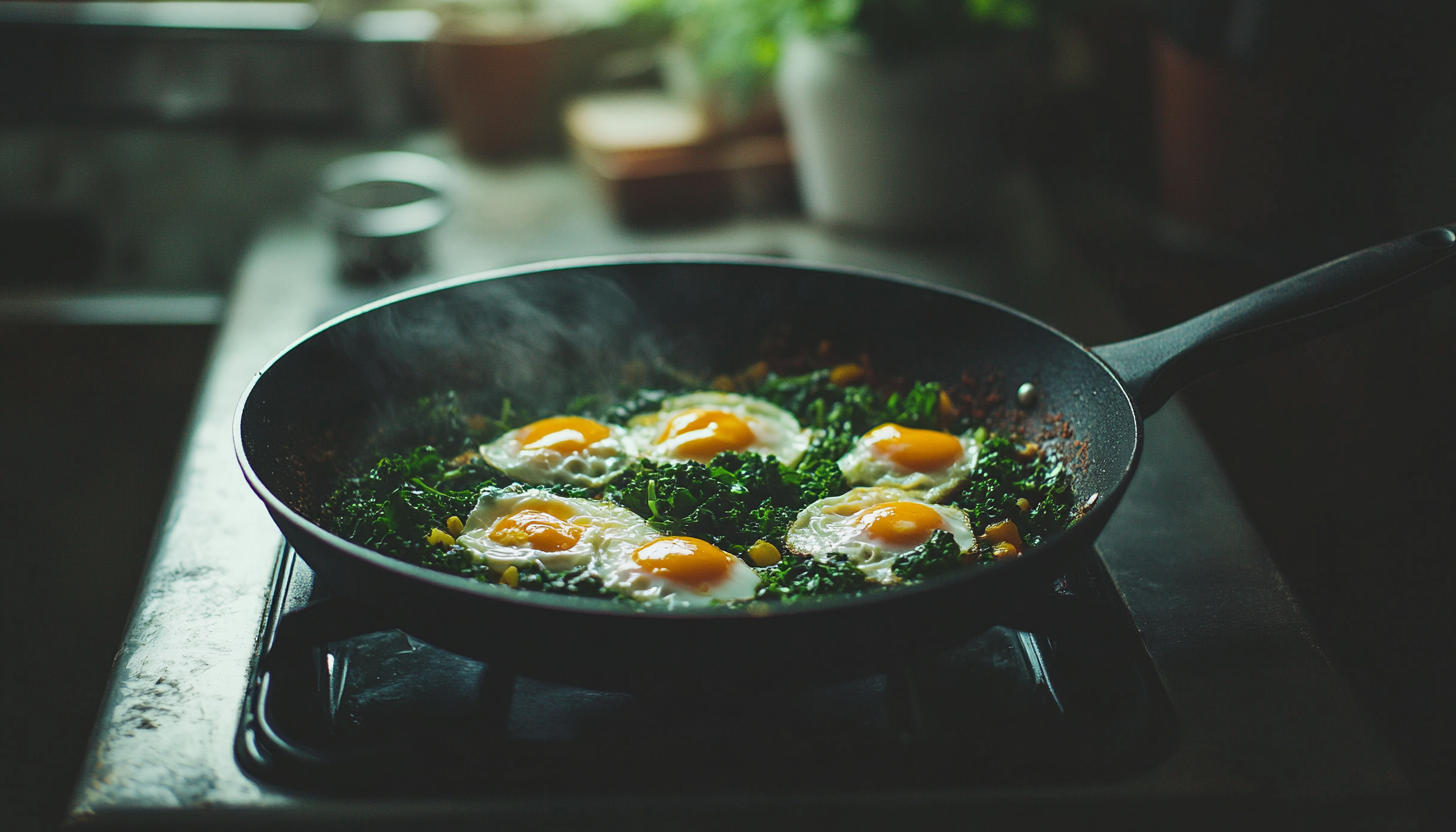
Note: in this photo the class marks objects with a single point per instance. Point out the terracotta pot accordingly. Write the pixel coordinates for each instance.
(492, 90)
(1220, 137)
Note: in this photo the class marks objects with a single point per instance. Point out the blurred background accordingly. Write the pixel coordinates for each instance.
(1113, 166)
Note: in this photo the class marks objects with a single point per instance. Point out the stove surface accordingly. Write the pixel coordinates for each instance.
(384, 713)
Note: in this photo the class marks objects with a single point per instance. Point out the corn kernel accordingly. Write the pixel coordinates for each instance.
(1029, 452)
(454, 526)
(1004, 532)
(944, 410)
(846, 374)
(764, 553)
(511, 577)
(1001, 551)
(464, 459)
(1023, 504)
(440, 538)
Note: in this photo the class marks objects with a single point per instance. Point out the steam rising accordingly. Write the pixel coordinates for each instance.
(539, 340)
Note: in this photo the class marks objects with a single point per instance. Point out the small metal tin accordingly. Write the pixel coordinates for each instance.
(381, 207)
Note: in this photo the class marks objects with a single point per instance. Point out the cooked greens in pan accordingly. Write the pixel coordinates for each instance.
(760, 487)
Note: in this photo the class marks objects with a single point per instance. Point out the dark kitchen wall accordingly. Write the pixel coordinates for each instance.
(1278, 135)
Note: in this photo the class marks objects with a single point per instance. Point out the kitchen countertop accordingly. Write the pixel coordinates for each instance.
(1283, 737)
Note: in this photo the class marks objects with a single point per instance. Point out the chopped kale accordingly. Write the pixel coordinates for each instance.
(676, 498)
(939, 554)
(803, 396)
(618, 411)
(816, 402)
(575, 581)
(457, 560)
(828, 446)
(393, 506)
(733, 502)
(842, 414)
(817, 480)
(796, 577)
(1001, 478)
(441, 421)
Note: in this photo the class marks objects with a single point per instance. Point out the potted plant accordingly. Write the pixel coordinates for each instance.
(896, 108)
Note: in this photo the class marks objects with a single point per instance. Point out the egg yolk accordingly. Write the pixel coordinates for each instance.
(536, 529)
(914, 449)
(899, 523)
(684, 560)
(700, 434)
(563, 434)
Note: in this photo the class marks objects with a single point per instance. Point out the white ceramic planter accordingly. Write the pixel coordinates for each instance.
(904, 147)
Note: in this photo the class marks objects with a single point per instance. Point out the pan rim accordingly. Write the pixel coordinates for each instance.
(1094, 518)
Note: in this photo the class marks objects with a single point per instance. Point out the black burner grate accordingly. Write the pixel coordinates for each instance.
(385, 711)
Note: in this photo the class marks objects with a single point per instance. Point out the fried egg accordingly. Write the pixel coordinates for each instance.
(562, 449)
(930, 461)
(873, 526)
(525, 528)
(682, 572)
(700, 426)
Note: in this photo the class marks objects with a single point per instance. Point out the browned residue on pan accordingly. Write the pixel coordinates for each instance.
(979, 395)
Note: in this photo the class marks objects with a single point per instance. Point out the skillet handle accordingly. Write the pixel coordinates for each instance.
(1322, 300)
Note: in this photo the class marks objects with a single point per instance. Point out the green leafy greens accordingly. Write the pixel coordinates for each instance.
(576, 581)
(1002, 478)
(794, 577)
(392, 506)
(734, 501)
(939, 554)
(842, 414)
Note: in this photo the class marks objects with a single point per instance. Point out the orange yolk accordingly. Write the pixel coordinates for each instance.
(900, 523)
(684, 560)
(700, 434)
(917, 450)
(536, 529)
(563, 434)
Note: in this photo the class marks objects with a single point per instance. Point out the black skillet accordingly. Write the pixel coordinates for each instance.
(542, 335)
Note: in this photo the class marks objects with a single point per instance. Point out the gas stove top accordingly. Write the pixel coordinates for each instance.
(1171, 680)
(342, 704)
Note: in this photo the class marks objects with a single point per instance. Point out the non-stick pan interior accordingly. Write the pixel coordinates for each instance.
(544, 339)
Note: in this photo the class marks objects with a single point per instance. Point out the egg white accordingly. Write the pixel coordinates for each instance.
(591, 467)
(638, 583)
(827, 527)
(609, 532)
(862, 466)
(775, 430)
